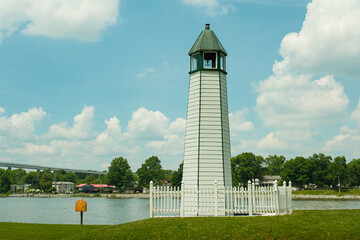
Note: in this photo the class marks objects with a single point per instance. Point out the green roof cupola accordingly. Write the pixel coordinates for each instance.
(207, 52)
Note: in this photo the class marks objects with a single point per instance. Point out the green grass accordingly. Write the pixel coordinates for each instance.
(343, 192)
(321, 224)
(19, 231)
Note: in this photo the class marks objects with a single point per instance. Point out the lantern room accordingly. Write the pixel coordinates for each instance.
(207, 52)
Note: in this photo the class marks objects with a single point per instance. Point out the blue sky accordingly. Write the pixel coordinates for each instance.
(82, 82)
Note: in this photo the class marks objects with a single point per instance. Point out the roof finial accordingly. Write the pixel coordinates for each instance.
(207, 26)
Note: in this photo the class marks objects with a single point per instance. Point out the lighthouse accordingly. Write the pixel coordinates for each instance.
(207, 136)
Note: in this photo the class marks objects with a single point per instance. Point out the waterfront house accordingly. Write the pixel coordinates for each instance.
(63, 187)
(19, 187)
(269, 179)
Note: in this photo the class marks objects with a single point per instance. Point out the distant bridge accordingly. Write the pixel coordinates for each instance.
(28, 166)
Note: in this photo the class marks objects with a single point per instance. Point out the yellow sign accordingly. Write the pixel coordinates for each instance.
(80, 206)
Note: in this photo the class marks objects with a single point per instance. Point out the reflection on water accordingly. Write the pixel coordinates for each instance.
(111, 211)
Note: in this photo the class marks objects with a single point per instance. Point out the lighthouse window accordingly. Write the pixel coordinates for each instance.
(222, 62)
(195, 62)
(209, 60)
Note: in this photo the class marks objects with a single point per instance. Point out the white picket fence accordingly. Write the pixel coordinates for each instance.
(215, 200)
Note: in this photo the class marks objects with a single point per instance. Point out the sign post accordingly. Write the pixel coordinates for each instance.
(81, 206)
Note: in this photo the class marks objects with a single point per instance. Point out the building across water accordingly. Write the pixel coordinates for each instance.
(94, 188)
(63, 187)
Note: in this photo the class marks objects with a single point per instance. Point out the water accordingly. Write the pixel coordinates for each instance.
(111, 211)
(325, 204)
(62, 210)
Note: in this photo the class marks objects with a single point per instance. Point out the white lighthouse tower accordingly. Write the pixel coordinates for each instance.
(207, 140)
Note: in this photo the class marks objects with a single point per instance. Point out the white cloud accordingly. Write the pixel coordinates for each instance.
(238, 122)
(296, 101)
(83, 20)
(105, 166)
(2, 110)
(355, 116)
(173, 140)
(147, 124)
(271, 141)
(79, 146)
(146, 72)
(112, 132)
(336, 143)
(328, 41)
(302, 105)
(347, 142)
(178, 126)
(171, 145)
(21, 125)
(82, 127)
(211, 7)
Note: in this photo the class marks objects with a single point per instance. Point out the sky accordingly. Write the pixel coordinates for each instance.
(83, 82)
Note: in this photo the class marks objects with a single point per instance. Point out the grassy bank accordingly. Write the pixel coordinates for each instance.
(343, 192)
(330, 224)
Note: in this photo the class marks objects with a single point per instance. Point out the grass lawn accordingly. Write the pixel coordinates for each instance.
(42, 231)
(344, 192)
(322, 224)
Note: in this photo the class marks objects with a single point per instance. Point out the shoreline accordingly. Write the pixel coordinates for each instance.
(324, 197)
(83, 195)
(146, 196)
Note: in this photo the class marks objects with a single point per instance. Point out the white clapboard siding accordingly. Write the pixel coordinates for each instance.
(207, 138)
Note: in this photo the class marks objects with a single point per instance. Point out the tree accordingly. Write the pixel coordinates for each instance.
(90, 179)
(5, 180)
(176, 177)
(245, 167)
(70, 177)
(151, 170)
(353, 172)
(32, 178)
(17, 175)
(120, 174)
(167, 174)
(274, 164)
(46, 181)
(337, 170)
(297, 171)
(319, 164)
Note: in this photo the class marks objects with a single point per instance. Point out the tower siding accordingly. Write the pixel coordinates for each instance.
(207, 136)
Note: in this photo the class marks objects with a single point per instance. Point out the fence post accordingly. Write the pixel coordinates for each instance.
(151, 199)
(182, 200)
(250, 198)
(286, 198)
(290, 198)
(276, 194)
(254, 193)
(216, 198)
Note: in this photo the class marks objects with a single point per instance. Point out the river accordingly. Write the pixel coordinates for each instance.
(110, 211)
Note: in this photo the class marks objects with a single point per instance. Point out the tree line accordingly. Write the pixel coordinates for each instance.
(42, 180)
(318, 169)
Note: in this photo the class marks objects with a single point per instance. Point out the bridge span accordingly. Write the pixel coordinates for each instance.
(37, 167)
